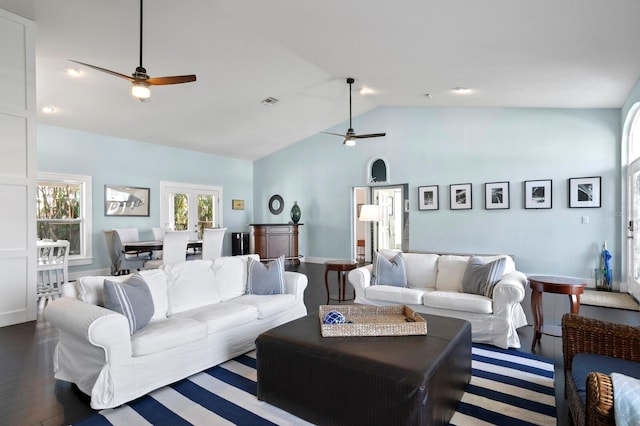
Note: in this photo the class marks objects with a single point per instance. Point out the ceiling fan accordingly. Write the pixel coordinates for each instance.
(140, 80)
(350, 137)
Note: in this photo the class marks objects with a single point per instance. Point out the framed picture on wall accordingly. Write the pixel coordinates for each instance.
(496, 195)
(460, 196)
(126, 201)
(428, 198)
(584, 192)
(537, 194)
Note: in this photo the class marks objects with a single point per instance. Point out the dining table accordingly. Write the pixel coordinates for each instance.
(146, 246)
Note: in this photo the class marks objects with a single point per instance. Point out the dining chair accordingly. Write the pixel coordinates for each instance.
(52, 269)
(212, 239)
(174, 249)
(158, 235)
(127, 261)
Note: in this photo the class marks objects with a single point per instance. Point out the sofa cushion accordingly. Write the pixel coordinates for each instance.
(221, 316)
(393, 294)
(583, 364)
(265, 279)
(422, 269)
(191, 285)
(231, 275)
(156, 279)
(450, 272)
(267, 305)
(90, 288)
(390, 272)
(458, 301)
(165, 334)
(132, 299)
(480, 277)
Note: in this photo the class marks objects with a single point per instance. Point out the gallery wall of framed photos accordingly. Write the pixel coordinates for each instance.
(584, 192)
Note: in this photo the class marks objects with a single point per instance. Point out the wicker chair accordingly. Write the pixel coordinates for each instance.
(586, 335)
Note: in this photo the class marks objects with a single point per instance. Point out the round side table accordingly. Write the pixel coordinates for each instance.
(539, 284)
(341, 267)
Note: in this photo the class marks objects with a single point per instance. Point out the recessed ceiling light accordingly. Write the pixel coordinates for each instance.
(74, 72)
(48, 109)
(367, 91)
(461, 90)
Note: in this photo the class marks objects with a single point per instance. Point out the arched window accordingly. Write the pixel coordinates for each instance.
(378, 171)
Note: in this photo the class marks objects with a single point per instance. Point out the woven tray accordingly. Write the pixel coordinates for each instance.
(373, 321)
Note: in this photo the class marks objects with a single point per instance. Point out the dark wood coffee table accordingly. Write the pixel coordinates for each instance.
(573, 287)
(365, 380)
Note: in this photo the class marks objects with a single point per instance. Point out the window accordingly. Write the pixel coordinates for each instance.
(63, 212)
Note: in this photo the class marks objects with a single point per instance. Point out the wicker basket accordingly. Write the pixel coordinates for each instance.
(373, 321)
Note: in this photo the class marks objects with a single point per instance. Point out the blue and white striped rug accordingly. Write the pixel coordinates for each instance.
(507, 388)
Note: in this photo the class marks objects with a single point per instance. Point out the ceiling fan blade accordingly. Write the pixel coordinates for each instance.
(117, 74)
(370, 135)
(335, 134)
(176, 79)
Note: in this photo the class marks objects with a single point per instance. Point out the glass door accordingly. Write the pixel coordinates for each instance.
(633, 227)
(191, 208)
(633, 205)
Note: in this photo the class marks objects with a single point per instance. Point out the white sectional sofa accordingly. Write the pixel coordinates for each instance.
(201, 317)
(434, 287)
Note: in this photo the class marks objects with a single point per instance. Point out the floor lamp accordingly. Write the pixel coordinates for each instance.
(370, 213)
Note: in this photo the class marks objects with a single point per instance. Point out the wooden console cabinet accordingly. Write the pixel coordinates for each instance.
(272, 240)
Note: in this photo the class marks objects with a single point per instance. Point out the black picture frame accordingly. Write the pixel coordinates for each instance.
(126, 200)
(428, 197)
(538, 194)
(585, 192)
(496, 196)
(460, 196)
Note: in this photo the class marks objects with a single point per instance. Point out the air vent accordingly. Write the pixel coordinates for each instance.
(269, 101)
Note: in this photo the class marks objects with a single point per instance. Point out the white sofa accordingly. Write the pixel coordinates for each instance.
(201, 317)
(434, 287)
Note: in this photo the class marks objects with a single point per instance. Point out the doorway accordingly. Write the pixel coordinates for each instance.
(391, 230)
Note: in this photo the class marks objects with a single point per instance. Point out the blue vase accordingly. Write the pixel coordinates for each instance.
(295, 212)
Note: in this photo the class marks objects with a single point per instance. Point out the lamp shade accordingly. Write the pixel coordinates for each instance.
(369, 213)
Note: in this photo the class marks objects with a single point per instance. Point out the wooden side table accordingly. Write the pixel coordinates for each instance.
(539, 284)
(342, 267)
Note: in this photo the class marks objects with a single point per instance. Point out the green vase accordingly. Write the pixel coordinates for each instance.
(295, 212)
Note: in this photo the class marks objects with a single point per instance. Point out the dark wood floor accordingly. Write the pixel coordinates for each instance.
(29, 395)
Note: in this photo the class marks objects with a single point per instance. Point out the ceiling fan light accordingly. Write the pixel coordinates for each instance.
(140, 90)
(349, 142)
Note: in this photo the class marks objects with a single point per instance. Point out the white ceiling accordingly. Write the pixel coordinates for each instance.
(513, 53)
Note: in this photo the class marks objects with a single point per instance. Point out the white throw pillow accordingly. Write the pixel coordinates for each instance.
(90, 287)
(422, 269)
(191, 285)
(156, 279)
(231, 275)
(450, 272)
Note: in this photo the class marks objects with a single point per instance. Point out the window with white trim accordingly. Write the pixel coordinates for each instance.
(63, 212)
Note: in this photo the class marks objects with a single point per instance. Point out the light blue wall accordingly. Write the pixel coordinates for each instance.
(125, 162)
(443, 146)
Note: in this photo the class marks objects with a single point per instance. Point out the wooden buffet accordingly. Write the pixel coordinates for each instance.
(272, 240)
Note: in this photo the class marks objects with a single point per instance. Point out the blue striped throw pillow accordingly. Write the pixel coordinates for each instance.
(131, 298)
(265, 279)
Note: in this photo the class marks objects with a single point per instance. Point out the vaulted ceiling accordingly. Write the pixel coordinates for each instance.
(544, 53)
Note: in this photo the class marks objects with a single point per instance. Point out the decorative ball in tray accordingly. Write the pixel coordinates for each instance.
(364, 320)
